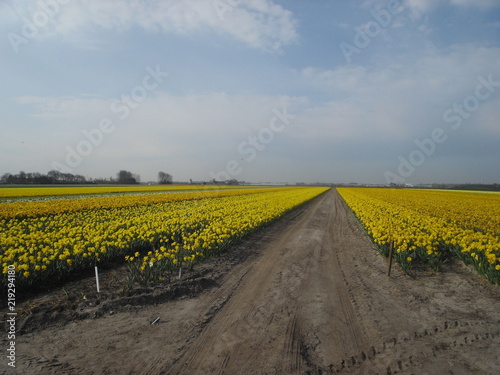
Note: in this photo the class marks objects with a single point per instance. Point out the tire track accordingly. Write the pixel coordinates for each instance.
(395, 352)
(328, 314)
(292, 312)
(266, 323)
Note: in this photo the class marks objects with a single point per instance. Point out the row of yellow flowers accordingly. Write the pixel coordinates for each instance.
(207, 227)
(155, 236)
(17, 192)
(430, 226)
(68, 204)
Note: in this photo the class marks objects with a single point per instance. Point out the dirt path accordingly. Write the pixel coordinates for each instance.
(311, 297)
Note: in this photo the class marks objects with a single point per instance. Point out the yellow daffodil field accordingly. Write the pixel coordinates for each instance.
(155, 234)
(20, 192)
(430, 226)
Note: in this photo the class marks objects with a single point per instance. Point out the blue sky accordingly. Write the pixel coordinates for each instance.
(370, 91)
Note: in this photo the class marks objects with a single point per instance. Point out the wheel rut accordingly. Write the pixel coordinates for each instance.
(291, 313)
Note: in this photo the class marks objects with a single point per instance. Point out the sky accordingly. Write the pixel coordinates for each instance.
(277, 91)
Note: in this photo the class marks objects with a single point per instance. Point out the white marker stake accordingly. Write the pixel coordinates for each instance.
(97, 279)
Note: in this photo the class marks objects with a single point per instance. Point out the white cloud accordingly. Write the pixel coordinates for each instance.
(397, 104)
(418, 8)
(204, 130)
(450, 72)
(261, 24)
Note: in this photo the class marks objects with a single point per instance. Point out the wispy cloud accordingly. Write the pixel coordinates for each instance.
(260, 24)
(418, 8)
(398, 102)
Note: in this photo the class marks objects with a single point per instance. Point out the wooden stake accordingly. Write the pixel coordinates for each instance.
(97, 280)
(391, 250)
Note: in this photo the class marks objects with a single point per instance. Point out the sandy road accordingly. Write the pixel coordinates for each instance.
(291, 308)
(311, 297)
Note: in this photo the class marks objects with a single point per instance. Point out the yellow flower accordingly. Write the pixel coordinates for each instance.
(431, 221)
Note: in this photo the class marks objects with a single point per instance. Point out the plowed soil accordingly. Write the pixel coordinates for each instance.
(307, 295)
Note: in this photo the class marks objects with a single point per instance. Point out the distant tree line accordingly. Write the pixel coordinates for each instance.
(54, 177)
(59, 178)
(493, 187)
(227, 182)
(36, 178)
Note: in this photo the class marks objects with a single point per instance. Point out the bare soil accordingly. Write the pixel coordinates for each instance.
(307, 295)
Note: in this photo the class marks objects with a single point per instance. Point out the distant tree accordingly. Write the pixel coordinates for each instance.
(164, 178)
(55, 176)
(21, 177)
(6, 179)
(126, 177)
